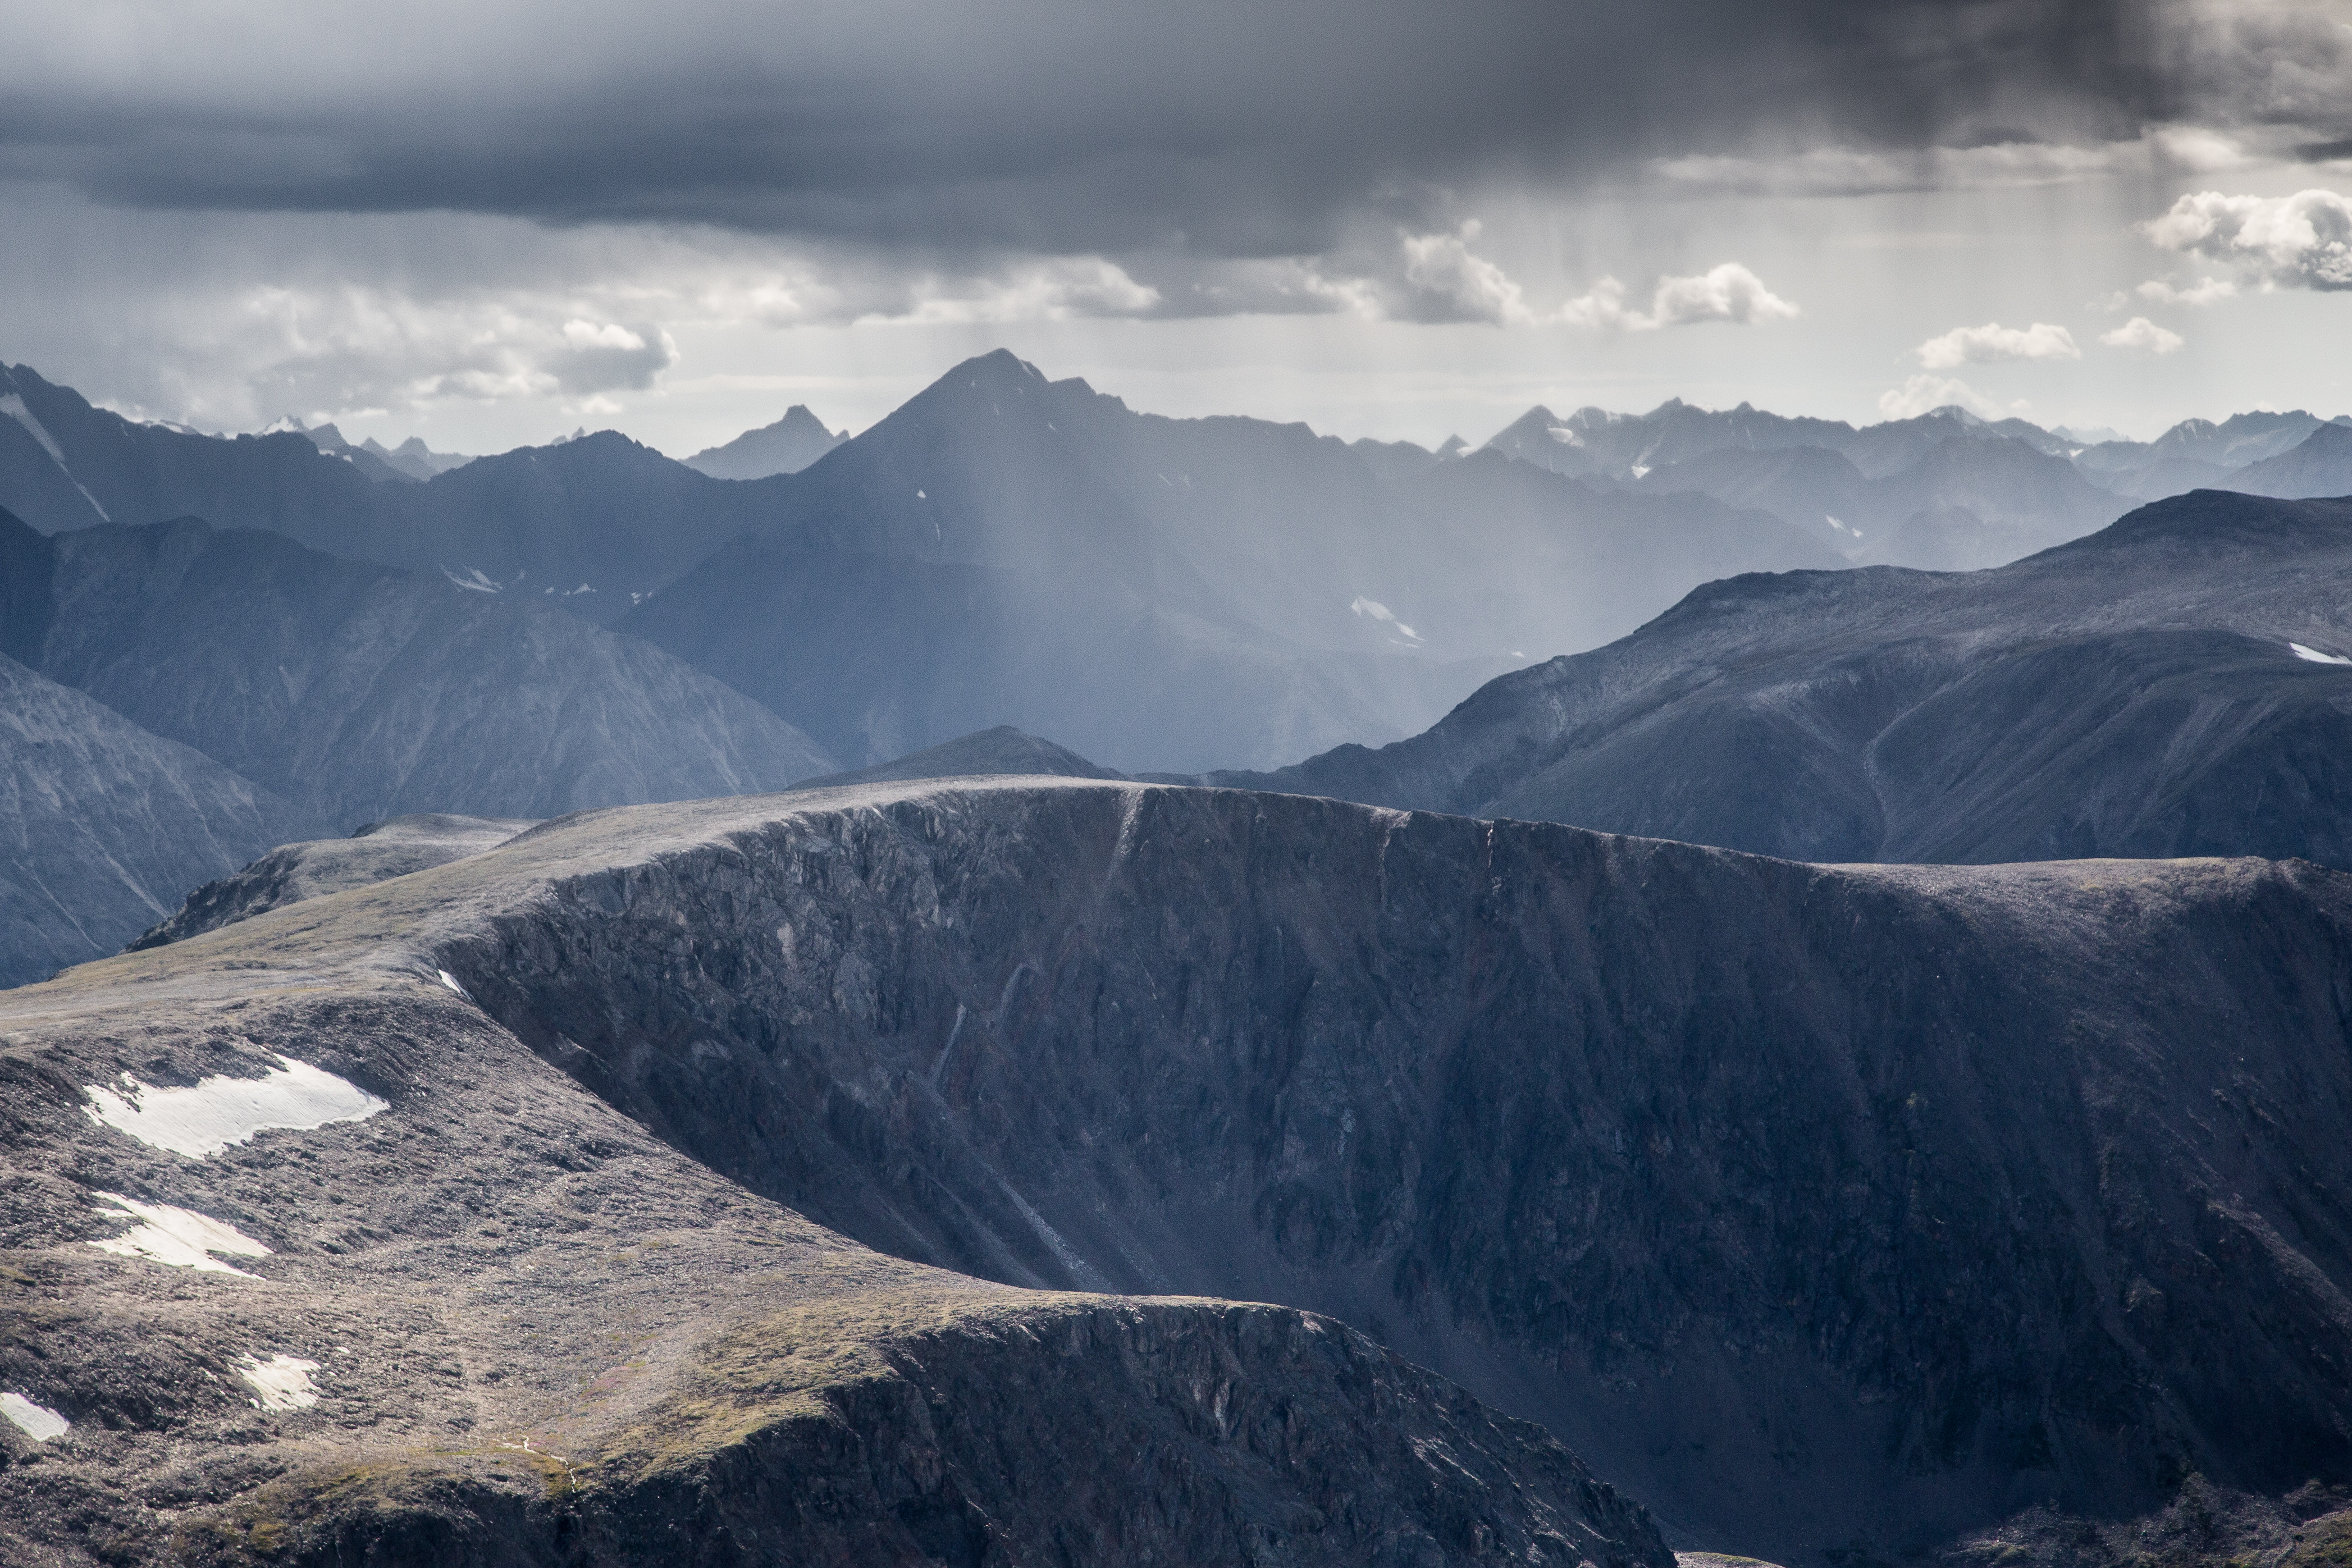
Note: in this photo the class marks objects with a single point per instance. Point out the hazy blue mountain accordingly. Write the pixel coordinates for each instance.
(411, 461)
(360, 692)
(2318, 465)
(591, 525)
(1156, 592)
(1626, 445)
(2195, 454)
(1393, 460)
(131, 472)
(1001, 753)
(602, 513)
(1945, 490)
(1968, 502)
(787, 447)
(2178, 684)
(103, 826)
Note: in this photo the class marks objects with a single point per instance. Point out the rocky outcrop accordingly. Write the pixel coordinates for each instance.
(293, 872)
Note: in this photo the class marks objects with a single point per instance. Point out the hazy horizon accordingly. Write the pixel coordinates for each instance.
(491, 226)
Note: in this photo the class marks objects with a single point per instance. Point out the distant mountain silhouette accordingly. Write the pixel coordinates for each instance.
(1004, 751)
(787, 447)
(2318, 465)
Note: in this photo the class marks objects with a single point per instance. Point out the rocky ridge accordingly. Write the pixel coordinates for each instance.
(293, 872)
(496, 1320)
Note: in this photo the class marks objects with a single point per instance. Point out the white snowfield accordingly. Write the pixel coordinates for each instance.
(181, 1238)
(219, 1111)
(283, 1380)
(38, 1422)
(2314, 656)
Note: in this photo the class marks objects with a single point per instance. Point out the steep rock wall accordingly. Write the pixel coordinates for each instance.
(1821, 1207)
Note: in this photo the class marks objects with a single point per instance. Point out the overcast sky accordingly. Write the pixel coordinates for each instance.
(488, 223)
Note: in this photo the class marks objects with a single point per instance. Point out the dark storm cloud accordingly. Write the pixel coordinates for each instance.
(1216, 129)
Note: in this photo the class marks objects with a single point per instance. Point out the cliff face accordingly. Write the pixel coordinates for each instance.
(469, 1313)
(1821, 1207)
(1830, 1211)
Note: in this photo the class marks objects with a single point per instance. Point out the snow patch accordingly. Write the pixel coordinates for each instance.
(473, 581)
(283, 1380)
(2314, 655)
(38, 1422)
(452, 982)
(179, 1239)
(219, 1111)
(1380, 612)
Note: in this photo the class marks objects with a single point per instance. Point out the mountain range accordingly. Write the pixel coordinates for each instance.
(318, 694)
(2179, 683)
(743, 1093)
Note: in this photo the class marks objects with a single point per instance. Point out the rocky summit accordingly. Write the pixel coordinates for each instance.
(877, 1174)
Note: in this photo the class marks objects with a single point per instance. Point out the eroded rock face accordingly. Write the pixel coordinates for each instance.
(1821, 1206)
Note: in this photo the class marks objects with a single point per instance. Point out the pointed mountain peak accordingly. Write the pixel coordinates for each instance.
(786, 447)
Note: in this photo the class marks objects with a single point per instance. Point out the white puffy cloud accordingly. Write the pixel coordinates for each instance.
(2302, 241)
(1464, 285)
(2204, 291)
(1993, 342)
(1726, 293)
(2139, 332)
(1445, 273)
(1926, 394)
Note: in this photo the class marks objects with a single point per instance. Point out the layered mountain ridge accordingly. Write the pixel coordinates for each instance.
(2174, 685)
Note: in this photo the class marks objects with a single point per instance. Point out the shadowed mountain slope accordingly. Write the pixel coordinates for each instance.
(1003, 548)
(293, 872)
(1830, 1210)
(497, 1321)
(103, 825)
(2138, 692)
(359, 691)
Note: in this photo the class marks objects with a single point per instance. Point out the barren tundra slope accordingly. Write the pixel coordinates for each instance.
(1829, 1210)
